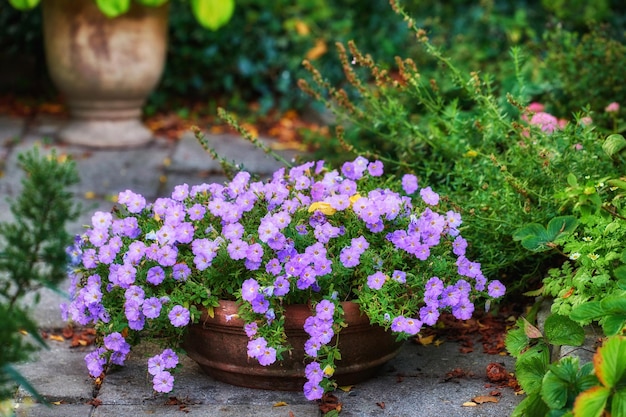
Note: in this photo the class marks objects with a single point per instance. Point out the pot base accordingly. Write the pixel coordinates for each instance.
(105, 133)
(219, 346)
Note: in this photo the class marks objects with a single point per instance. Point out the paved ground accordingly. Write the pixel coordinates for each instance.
(412, 385)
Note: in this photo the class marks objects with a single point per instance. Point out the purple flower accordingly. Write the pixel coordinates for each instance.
(133, 202)
(312, 347)
(256, 347)
(325, 310)
(163, 382)
(313, 372)
(434, 286)
(496, 289)
(156, 365)
(463, 310)
(375, 168)
(156, 275)
(349, 257)
(376, 280)
(170, 359)
(152, 307)
(260, 304)
(267, 356)
(459, 245)
(180, 272)
(250, 289)
(251, 329)
(196, 212)
(95, 362)
(398, 324)
(429, 315)
(115, 342)
(313, 391)
(179, 316)
(409, 183)
(429, 196)
(412, 326)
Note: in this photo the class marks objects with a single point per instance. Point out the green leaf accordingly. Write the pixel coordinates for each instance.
(591, 403)
(531, 229)
(532, 405)
(152, 3)
(571, 180)
(561, 225)
(614, 304)
(213, 14)
(620, 272)
(516, 340)
(589, 311)
(566, 369)
(613, 324)
(610, 361)
(614, 144)
(561, 330)
(618, 403)
(113, 8)
(531, 367)
(24, 4)
(554, 390)
(617, 183)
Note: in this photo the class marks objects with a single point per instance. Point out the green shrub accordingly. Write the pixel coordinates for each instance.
(32, 255)
(471, 142)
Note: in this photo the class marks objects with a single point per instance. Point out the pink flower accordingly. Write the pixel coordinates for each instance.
(612, 107)
(547, 122)
(535, 107)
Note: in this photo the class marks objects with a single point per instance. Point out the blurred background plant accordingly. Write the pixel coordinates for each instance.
(257, 57)
(32, 256)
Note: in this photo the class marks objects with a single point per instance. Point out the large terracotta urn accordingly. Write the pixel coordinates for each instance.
(105, 68)
(219, 345)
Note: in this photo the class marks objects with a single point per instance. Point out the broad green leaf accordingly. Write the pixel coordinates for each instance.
(561, 330)
(614, 144)
(113, 8)
(614, 304)
(531, 367)
(610, 361)
(591, 403)
(24, 4)
(561, 225)
(618, 403)
(554, 390)
(516, 340)
(532, 405)
(566, 369)
(589, 311)
(152, 3)
(613, 324)
(532, 229)
(213, 14)
(571, 180)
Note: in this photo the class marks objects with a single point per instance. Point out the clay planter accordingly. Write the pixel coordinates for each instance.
(220, 348)
(105, 68)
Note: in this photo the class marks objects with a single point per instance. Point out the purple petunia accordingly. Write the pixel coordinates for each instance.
(409, 183)
(163, 382)
(179, 316)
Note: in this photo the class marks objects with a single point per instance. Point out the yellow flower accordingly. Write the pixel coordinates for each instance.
(329, 371)
(322, 206)
(593, 256)
(471, 154)
(354, 198)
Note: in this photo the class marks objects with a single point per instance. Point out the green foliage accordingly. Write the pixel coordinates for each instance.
(551, 388)
(537, 238)
(609, 395)
(581, 70)
(462, 135)
(596, 254)
(32, 253)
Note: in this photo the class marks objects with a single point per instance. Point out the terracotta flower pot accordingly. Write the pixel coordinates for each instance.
(220, 348)
(105, 68)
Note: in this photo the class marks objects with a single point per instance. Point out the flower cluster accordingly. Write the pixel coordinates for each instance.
(310, 234)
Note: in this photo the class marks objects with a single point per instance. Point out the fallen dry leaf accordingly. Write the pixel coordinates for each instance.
(346, 388)
(425, 340)
(280, 404)
(497, 373)
(329, 402)
(481, 399)
(57, 338)
(469, 404)
(381, 405)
